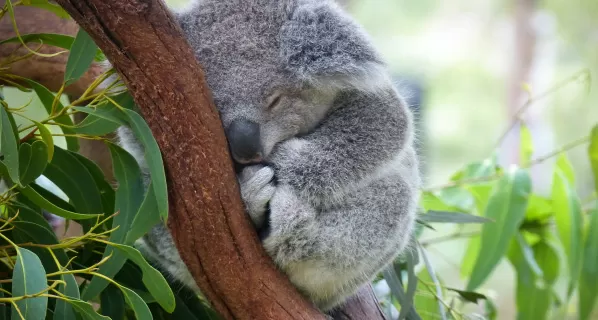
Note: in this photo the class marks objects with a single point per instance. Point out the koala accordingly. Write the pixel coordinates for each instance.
(323, 142)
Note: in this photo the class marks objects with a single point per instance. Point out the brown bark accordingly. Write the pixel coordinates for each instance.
(210, 228)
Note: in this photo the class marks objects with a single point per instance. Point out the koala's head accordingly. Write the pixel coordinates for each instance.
(276, 66)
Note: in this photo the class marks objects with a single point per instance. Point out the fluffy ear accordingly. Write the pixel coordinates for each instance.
(323, 46)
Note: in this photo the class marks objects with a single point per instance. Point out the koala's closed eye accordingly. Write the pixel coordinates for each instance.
(274, 101)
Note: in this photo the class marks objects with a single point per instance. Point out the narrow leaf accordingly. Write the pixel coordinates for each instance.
(129, 197)
(47, 98)
(507, 206)
(42, 202)
(593, 153)
(436, 281)
(569, 222)
(81, 56)
(29, 278)
(588, 283)
(451, 217)
(113, 303)
(139, 306)
(152, 278)
(63, 309)
(153, 158)
(8, 146)
(47, 138)
(33, 159)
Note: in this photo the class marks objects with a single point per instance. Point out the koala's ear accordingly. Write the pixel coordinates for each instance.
(322, 45)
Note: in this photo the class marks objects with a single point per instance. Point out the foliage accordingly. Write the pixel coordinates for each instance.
(100, 275)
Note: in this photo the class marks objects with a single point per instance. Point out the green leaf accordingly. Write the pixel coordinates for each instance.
(563, 164)
(47, 138)
(396, 287)
(33, 159)
(42, 202)
(407, 307)
(129, 197)
(507, 206)
(95, 126)
(47, 98)
(29, 278)
(526, 146)
(469, 296)
(137, 304)
(431, 202)
(46, 5)
(152, 278)
(457, 197)
(569, 221)
(8, 146)
(85, 310)
(539, 208)
(439, 292)
(593, 153)
(146, 218)
(451, 217)
(106, 190)
(113, 303)
(51, 39)
(534, 300)
(588, 288)
(82, 54)
(528, 255)
(64, 310)
(75, 180)
(153, 158)
(107, 112)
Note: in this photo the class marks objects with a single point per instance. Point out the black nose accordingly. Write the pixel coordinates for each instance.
(244, 140)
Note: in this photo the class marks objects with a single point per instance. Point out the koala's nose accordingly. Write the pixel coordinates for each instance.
(244, 141)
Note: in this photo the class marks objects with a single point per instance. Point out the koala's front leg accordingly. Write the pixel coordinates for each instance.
(257, 187)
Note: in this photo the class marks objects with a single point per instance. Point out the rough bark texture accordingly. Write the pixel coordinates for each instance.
(213, 234)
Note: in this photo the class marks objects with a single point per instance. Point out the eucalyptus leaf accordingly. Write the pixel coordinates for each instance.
(29, 278)
(63, 309)
(593, 153)
(53, 106)
(152, 278)
(8, 146)
(129, 197)
(82, 54)
(588, 283)
(44, 203)
(47, 138)
(506, 206)
(33, 159)
(451, 217)
(569, 221)
(153, 158)
(113, 303)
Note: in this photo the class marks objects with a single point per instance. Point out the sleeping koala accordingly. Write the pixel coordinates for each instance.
(324, 143)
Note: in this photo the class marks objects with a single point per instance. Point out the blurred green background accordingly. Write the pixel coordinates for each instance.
(472, 59)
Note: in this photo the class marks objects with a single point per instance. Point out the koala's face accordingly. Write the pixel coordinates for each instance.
(259, 57)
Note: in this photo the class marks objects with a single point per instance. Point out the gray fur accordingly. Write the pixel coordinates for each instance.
(338, 141)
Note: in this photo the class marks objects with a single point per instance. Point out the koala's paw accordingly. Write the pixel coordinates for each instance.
(257, 188)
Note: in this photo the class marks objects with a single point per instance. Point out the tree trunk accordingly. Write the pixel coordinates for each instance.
(212, 232)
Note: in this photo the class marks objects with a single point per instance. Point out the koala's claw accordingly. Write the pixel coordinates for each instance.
(257, 188)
